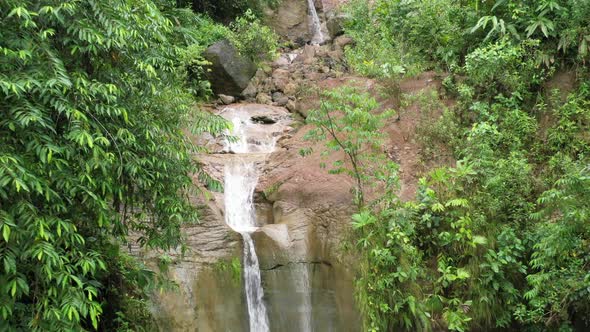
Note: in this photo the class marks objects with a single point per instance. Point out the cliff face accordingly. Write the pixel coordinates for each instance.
(303, 213)
(292, 19)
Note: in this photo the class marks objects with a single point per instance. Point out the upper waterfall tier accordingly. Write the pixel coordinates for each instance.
(255, 130)
(315, 24)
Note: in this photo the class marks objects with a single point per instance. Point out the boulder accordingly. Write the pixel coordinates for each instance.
(282, 61)
(290, 20)
(229, 72)
(226, 100)
(342, 41)
(280, 99)
(292, 106)
(250, 91)
(260, 75)
(290, 89)
(307, 56)
(335, 24)
(336, 55)
(263, 98)
(280, 79)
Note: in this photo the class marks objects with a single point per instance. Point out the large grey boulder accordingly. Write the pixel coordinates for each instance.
(229, 71)
(290, 19)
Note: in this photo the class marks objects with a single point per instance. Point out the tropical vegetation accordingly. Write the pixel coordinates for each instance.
(99, 100)
(498, 237)
(96, 99)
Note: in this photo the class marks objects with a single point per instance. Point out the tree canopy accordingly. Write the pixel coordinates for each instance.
(94, 96)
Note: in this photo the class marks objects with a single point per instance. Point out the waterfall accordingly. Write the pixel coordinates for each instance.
(316, 26)
(240, 179)
(304, 288)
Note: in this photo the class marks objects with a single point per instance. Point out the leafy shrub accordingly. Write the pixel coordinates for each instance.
(569, 136)
(414, 35)
(561, 25)
(388, 289)
(518, 75)
(376, 53)
(349, 121)
(559, 278)
(439, 135)
(253, 39)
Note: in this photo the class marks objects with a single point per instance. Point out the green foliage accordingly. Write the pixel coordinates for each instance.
(497, 240)
(348, 121)
(128, 286)
(412, 35)
(559, 278)
(439, 34)
(253, 39)
(388, 292)
(562, 25)
(374, 55)
(435, 132)
(517, 77)
(226, 10)
(94, 96)
(234, 267)
(569, 135)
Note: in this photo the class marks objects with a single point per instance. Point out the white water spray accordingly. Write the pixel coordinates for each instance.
(316, 25)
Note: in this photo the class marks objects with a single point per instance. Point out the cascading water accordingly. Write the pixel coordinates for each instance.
(303, 286)
(316, 26)
(241, 177)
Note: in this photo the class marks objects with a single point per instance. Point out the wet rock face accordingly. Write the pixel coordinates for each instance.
(303, 214)
(213, 301)
(209, 296)
(307, 287)
(230, 72)
(304, 264)
(290, 19)
(308, 297)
